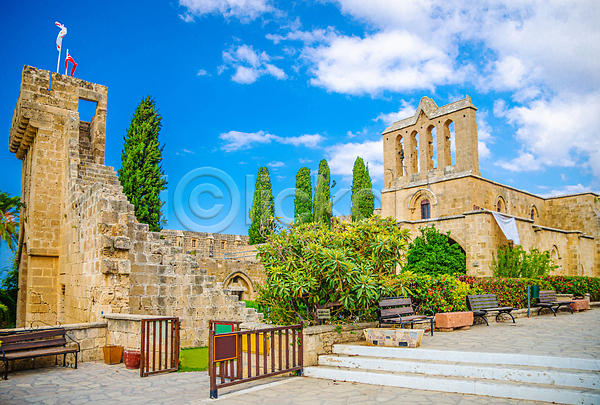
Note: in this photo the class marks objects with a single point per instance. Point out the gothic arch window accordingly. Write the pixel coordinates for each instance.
(400, 156)
(425, 209)
(554, 256)
(413, 153)
(533, 212)
(500, 205)
(431, 147)
(449, 144)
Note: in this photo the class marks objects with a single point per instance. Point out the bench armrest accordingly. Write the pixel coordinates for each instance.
(78, 345)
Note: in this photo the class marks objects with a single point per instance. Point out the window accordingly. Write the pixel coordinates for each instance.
(179, 241)
(222, 244)
(532, 214)
(194, 242)
(425, 209)
(499, 206)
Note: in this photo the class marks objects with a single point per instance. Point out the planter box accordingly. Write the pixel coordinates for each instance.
(113, 354)
(580, 305)
(131, 358)
(452, 320)
(394, 337)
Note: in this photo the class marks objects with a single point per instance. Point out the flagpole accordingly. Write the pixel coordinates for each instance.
(58, 63)
(66, 62)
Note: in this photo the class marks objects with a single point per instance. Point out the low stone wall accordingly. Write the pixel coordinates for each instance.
(90, 336)
(320, 339)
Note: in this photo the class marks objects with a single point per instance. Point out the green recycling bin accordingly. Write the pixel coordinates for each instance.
(535, 291)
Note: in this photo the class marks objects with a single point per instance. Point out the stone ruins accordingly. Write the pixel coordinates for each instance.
(449, 192)
(82, 254)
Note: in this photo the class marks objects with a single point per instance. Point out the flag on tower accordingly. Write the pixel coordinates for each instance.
(61, 34)
(70, 59)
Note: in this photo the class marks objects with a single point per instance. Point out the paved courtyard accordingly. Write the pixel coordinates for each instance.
(566, 335)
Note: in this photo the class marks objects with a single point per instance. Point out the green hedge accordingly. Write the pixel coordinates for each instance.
(510, 292)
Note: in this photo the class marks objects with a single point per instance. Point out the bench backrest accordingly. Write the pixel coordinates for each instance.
(33, 340)
(479, 302)
(547, 296)
(393, 306)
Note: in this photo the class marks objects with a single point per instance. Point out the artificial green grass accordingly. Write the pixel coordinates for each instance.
(193, 359)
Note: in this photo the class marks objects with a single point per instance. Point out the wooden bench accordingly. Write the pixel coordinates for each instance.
(548, 300)
(36, 343)
(399, 311)
(482, 304)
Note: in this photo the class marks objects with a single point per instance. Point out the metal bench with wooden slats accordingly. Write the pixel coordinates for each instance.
(548, 300)
(399, 311)
(484, 303)
(36, 343)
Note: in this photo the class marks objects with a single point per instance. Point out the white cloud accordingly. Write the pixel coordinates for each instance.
(310, 141)
(243, 140)
(202, 72)
(341, 158)
(275, 165)
(249, 65)
(560, 132)
(572, 189)
(407, 109)
(235, 140)
(525, 162)
(395, 61)
(304, 161)
(244, 10)
(184, 152)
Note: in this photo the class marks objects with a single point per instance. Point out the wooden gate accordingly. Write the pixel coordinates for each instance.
(268, 352)
(160, 346)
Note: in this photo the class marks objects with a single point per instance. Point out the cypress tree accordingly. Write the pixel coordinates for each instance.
(368, 201)
(303, 205)
(358, 173)
(322, 204)
(141, 174)
(262, 212)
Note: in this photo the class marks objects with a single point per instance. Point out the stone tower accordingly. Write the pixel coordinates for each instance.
(409, 144)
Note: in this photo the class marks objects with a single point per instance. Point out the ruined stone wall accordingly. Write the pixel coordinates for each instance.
(240, 276)
(479, 235)
(204, 244)
(83, 253)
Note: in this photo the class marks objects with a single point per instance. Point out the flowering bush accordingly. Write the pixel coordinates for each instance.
(511, 292)
(577, 285)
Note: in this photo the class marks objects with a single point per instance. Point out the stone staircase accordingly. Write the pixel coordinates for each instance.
(516, 376)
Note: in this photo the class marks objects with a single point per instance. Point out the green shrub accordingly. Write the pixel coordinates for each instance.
(431, 253)
(346, 268)
(515, 262)
(577, 285)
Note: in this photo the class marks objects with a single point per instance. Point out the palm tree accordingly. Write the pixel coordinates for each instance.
(9, 220)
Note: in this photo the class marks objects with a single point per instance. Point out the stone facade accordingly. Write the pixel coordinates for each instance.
(82, 252)
(449, 193)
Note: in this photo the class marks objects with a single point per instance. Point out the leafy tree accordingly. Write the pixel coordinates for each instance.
(141, 173)
(362, 193)
(262, 212)
(431, 253)
(322, 207)
(9, 220)
(8, 295)
(347, 267)
(303, 205)
(515, 262)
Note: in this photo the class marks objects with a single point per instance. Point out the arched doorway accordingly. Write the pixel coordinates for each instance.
(240, 284)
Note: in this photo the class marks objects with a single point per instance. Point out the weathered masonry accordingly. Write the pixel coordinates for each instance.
(82, 253)
(428, 182)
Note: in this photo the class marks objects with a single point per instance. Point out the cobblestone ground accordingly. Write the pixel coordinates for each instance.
(566, 335)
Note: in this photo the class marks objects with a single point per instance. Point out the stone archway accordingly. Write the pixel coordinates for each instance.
(240, 284)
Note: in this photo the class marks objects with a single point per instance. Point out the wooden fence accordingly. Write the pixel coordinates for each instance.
(160, 346)
(241, 356)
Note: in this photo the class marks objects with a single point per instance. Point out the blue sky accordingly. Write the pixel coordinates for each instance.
(247, 83)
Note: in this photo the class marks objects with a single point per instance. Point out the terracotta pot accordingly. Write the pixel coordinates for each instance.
(112, 354)
(131, 358)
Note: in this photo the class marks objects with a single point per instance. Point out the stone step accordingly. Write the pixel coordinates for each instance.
(468, 357)
(492, 388)
(526, 374)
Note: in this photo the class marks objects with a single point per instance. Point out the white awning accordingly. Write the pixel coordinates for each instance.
(509, 227)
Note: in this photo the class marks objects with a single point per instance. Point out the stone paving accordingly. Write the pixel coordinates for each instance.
(569, 335)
